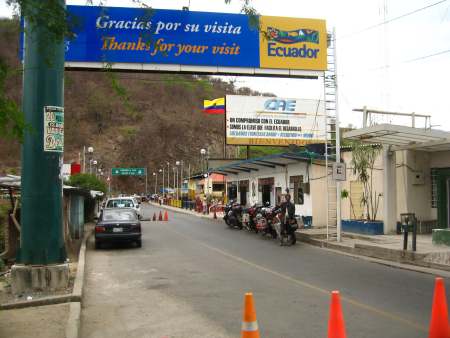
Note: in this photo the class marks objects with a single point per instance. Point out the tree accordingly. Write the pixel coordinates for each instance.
(363, 161)
(88, 182)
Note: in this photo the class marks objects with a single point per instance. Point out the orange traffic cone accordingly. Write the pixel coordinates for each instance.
(336, 325)
(160, 216)
(439, 325)
(166, 216)
(154, 216)
(249, 324)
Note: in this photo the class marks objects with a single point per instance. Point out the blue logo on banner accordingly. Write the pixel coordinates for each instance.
(139, 35)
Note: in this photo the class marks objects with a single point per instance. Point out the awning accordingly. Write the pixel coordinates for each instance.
(269, 161)
(402, 138)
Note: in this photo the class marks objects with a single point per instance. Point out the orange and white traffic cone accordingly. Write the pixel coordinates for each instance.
(439, 325)
(249, 323)
(166, 216)
(336, 325)
(160, 216)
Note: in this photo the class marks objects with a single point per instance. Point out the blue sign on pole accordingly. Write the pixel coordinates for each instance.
(140, 35)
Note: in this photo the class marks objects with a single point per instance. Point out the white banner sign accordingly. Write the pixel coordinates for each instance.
(256, 120)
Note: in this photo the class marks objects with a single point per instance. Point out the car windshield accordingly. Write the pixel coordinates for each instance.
(120, 203)
(119, 215)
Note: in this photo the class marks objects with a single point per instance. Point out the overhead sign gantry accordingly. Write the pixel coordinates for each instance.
(140, 39)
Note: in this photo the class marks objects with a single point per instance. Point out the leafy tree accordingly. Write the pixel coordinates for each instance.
(363, 162)
(12, 121)
(88, 182)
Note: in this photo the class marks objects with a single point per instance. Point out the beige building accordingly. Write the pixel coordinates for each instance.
(411, 175)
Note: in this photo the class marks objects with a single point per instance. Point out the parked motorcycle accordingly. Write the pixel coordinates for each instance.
(286, 237)
(264, 221)
(249, 217)
(233, 215)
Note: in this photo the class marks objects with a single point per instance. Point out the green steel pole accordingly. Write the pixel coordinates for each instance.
(41, 215)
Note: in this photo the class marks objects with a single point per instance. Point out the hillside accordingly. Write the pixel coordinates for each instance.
(131, 119)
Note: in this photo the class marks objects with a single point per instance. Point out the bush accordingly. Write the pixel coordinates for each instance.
(4, 207)
(88, 182)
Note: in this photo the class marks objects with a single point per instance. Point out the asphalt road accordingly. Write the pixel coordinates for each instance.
(189, 278)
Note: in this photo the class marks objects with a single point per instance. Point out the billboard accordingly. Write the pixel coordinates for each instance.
(274, 121)
(145, 36)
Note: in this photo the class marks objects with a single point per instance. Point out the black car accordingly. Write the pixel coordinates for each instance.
(118, 225)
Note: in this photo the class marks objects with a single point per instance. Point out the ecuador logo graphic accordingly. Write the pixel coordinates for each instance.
(290, 43)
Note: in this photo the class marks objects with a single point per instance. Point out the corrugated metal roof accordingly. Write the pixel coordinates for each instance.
(269, 161)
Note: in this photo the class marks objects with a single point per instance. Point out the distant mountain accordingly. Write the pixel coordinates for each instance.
(131, 119)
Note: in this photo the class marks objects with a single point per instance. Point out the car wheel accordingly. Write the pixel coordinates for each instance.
(97, 245)
(139, 243)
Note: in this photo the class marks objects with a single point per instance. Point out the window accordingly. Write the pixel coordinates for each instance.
(218, 187)
(434, 188)
(119, 215)
(120, 203)
(297, 189)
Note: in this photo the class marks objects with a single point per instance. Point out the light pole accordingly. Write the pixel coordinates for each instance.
(174, 179)
(90, 151)
(168, 176)
(203, 153)
(162, 179)
(177, 163)
(156, 180)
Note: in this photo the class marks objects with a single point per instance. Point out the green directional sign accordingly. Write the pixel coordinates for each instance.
(128, 171)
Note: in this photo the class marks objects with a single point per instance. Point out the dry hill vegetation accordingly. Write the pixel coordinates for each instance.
(131, 119)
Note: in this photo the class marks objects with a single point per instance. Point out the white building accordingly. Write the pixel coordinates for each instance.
(265, 179)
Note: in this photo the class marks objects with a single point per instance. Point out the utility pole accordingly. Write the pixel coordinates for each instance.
(42, 244)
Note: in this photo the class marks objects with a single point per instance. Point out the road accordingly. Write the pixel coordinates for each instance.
(189, 278)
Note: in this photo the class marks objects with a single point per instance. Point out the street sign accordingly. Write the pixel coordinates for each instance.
(54, 129)
(128, 171)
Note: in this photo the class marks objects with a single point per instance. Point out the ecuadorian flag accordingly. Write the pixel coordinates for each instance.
(216, 106)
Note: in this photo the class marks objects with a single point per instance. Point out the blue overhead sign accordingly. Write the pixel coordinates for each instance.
(140, 35)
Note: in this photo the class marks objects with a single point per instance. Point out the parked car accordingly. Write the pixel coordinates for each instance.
(124, 202)
(118, 225)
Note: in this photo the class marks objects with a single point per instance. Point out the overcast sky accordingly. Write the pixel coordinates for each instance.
(388, 67)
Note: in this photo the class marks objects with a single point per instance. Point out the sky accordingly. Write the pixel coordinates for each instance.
(389, 67)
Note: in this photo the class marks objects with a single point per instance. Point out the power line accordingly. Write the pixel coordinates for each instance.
(391, 20)
(427, 56)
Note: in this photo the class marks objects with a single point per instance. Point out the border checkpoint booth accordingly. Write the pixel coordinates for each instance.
(416, 173)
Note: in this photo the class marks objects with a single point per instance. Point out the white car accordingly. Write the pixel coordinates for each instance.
(124, 202)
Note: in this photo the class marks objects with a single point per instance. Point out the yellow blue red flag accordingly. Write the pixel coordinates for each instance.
(216, 106)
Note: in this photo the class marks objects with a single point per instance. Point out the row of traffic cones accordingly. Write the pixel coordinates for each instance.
(439, 323)
(160, 217)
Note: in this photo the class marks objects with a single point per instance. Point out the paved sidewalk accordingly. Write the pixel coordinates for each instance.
(389, 247)
(187, 211)
(37, 322)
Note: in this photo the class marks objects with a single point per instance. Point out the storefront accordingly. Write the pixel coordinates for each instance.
(266, 179)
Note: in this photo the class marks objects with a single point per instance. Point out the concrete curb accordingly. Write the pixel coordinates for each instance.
(74, 320)
(385, 256)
